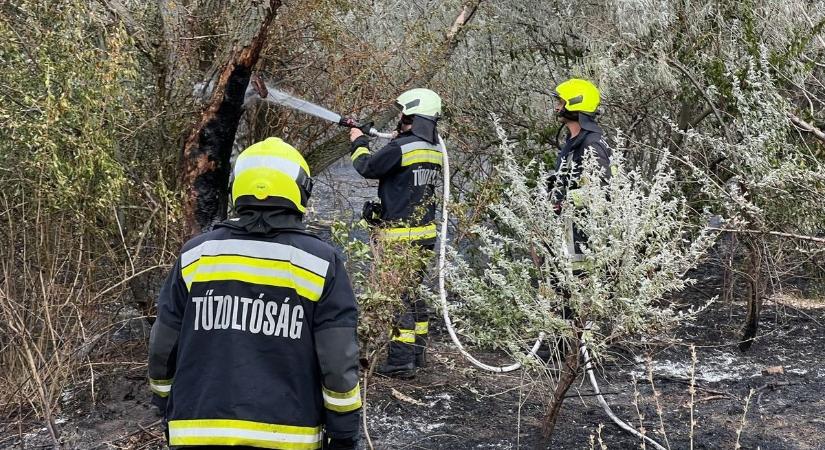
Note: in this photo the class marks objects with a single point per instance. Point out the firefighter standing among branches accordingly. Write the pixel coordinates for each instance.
(408, 169)
(577, 103)
(255, 341)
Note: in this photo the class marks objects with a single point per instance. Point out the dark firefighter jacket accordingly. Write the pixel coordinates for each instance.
(408, 169)
(255, 341)
(569, 163)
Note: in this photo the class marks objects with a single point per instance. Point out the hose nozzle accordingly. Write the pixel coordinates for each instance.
(367, 128)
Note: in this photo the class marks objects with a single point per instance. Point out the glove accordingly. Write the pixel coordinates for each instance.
(358, 139)
(340, 444)
(371, 213)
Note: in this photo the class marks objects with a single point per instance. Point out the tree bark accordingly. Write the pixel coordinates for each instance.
(323, 155)
(204, 173)
(569, 372)
(756, 292)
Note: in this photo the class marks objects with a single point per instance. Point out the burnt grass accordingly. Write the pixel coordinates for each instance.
(451, 405)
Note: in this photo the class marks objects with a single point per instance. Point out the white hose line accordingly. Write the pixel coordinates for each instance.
(588, 367)
(442, 257)
(375, 133)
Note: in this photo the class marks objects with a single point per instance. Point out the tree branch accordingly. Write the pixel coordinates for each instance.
(321, 156)
(805, 126)
(800, 237)
(701, 89)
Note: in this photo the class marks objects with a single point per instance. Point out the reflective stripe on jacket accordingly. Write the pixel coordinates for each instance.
(255, 342)
(408, 170)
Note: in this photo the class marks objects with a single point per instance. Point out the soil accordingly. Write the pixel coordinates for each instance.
(451, 405)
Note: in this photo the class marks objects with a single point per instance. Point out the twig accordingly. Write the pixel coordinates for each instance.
(205, 36)
(151, 425)
(805, 126)
(741, 427)
(367, 376)
(772, 233)
(692, 391)
(656, 395)
(123, 239)
(126, 280)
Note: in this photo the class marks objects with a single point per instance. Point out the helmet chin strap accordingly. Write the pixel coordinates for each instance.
(569, 115)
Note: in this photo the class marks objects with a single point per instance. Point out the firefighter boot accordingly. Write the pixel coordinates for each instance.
(403, 371)
(400, 357)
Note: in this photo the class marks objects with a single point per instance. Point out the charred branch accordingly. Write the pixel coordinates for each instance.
(206, 152)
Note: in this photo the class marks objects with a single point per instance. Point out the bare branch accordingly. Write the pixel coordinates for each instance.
(800, 237)
(805, 126)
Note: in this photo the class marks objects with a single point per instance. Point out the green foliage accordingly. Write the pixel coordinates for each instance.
(67, 103)
(640, 245)
(382, 272)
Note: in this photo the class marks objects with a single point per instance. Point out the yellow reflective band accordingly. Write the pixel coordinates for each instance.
(422, 327)
(267, 271)
(243, 432)
(160, 387)
(409, 233)
(578, 197)
(256, 249)
(342, 402)
(421, 156)
(360, 151)
(405, 336)
(265, 263)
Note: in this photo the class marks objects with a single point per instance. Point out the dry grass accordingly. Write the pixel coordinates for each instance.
(61, 296)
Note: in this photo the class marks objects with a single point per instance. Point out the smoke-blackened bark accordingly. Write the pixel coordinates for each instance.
(204, 175)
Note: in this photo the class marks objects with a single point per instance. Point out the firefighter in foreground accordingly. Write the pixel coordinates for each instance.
(255, 342)
(577, 103)
(408, 169)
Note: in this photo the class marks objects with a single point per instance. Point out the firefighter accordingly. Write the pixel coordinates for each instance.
(577, 103)
(408, 170)
(254, 343)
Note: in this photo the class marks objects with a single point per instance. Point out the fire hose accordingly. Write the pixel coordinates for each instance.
(442, 256)
(282, 98)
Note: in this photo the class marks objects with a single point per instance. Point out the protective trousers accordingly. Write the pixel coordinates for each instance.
(408, 338)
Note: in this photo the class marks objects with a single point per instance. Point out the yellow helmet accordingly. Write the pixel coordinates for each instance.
(271, 173)
(578, 95)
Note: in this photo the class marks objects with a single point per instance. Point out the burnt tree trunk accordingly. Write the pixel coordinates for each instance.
(204, 174)
(756, 293)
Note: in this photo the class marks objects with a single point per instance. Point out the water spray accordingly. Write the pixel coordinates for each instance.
(275, 96)
(281, 98)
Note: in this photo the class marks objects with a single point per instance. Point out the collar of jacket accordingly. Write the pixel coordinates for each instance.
(425, 129)
(265, 221)
(589, 123)
(570, 146)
